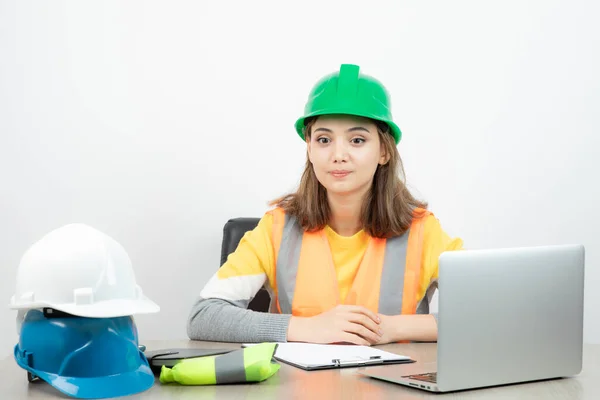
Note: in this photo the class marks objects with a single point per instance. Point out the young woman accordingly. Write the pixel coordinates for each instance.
(351, 256)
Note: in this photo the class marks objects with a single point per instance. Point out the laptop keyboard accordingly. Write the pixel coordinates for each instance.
(430, 377)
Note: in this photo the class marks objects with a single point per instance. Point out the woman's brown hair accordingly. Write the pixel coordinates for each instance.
(388, 208)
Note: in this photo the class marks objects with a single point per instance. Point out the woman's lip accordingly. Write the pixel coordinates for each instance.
(339, 174)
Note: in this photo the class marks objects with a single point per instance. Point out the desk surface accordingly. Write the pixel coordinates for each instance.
(345, 383)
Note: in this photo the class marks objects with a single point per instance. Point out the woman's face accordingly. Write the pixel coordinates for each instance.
(345, 152)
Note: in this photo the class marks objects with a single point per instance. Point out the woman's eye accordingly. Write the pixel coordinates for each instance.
(358, 140)
(323, 140)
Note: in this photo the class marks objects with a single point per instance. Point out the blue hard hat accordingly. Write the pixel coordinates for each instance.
(84, 357)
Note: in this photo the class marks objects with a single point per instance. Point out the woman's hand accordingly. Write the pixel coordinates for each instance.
(350, 324)
(389, 328)
(396, 328)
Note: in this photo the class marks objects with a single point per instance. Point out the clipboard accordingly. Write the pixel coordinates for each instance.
(313, 357)
(350, 363)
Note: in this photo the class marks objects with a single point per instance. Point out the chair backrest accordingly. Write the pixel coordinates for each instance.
(233, 231)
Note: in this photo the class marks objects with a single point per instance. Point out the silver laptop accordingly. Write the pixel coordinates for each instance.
(505, 316)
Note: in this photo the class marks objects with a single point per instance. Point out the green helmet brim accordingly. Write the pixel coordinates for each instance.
(394, 129)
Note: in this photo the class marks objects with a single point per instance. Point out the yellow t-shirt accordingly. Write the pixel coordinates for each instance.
(253, 262)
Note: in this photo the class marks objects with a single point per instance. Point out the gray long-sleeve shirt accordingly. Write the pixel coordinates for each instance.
(223, 321)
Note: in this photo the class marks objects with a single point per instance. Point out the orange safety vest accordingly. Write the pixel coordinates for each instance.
(387, 280)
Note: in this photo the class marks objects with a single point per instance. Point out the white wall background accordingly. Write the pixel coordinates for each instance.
(155, 122)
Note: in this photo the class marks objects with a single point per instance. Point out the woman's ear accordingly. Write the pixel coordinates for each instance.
(385, 157)
(308, 149)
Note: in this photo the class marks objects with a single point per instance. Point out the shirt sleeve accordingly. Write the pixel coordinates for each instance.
(247, 269)
(435, 242)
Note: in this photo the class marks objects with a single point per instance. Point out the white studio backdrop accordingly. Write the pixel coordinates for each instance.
(155, 122)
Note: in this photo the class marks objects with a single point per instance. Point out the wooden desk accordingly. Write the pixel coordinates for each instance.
(293, 383)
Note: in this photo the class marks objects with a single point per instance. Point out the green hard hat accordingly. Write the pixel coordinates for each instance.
(351, 93)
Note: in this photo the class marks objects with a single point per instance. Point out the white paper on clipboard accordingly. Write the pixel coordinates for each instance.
(321, 356)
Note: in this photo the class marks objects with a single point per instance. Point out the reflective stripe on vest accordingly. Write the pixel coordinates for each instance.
(306, 281)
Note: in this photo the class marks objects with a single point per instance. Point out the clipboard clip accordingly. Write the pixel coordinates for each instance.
(357, 361)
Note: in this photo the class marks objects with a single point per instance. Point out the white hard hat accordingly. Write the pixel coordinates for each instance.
(81, 271)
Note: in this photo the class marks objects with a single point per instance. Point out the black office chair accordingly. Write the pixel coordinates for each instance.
(233, 231)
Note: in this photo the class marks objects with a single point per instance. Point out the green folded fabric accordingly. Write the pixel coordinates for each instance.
(251, 364)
